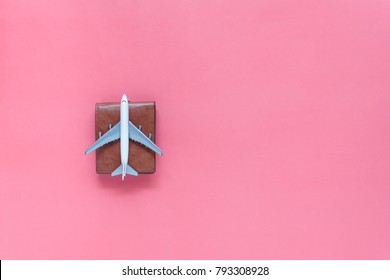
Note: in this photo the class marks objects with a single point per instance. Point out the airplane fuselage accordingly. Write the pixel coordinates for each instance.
(124, 133)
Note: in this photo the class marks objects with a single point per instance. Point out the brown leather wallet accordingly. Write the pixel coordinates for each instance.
(141, 158)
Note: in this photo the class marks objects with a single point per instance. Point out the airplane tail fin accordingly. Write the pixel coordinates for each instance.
(124, 169)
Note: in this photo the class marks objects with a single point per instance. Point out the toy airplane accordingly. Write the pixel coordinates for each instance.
(124, 130)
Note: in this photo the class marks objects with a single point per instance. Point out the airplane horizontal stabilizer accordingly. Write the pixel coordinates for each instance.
(130, 170)
(117, 171)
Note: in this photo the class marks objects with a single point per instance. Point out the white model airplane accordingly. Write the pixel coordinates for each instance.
(124, 130)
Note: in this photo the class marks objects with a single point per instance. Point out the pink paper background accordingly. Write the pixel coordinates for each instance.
(274, 119)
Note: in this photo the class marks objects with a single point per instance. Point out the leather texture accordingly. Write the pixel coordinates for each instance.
(141, 158)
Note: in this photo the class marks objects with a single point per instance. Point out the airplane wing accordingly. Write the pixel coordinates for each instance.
(136, 135)
(111, 135)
